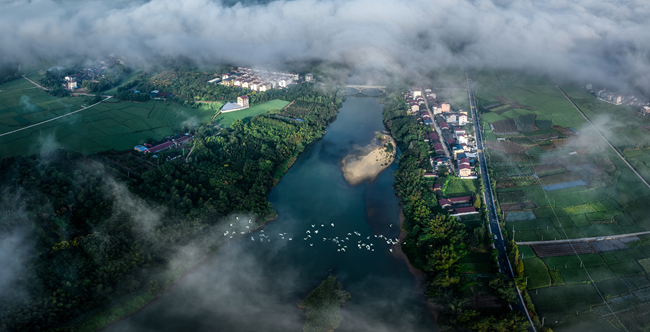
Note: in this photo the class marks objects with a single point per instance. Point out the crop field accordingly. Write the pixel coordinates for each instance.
(507, 147)
(525, 123)
(568, 295)
(109, 125)
(579, 186)
(227, 119)
(505, 127)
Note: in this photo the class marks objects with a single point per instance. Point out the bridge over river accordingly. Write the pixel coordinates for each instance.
(381, 88)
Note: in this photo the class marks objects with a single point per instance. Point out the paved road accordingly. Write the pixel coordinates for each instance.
(38, 85)
(440, 137)
(499, 243)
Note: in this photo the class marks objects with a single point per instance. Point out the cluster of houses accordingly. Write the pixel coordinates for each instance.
(72, 82)
(170, 142)
(258, 80)
(616, 99)
(461, 149)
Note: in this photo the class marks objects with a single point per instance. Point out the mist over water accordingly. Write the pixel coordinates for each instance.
(255, 286)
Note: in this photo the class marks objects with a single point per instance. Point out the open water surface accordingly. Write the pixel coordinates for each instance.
(255, 285)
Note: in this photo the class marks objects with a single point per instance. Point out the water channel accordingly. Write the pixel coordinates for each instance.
(254, 286)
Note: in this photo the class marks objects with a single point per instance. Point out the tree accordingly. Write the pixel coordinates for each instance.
(477, 203)
(504, 287)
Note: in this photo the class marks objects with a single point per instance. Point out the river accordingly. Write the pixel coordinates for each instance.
(255, 285)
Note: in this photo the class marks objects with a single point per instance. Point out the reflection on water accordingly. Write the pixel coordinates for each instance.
(254, 285)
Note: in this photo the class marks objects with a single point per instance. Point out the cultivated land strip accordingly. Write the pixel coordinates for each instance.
(55, 118)
(586, 239)
(601, 135)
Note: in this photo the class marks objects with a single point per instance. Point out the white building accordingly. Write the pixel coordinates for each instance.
(309, 77)
(462, 120)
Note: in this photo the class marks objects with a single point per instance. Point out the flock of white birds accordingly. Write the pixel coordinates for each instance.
(339, 241)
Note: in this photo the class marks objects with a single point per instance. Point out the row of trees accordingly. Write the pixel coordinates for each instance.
(436, 242)
(101, 237)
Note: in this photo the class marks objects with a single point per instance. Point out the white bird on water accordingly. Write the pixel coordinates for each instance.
(307, 231)
(311, 244)
(290, 239)
(316, 232)
(332, 224)
(313, 226)
(321, 225)
(252, 238)
(391, 250)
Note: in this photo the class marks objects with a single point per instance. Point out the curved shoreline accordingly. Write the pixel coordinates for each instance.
(369, 162)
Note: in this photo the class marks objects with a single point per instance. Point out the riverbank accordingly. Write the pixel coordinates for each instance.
(367, 163)
(417, 273)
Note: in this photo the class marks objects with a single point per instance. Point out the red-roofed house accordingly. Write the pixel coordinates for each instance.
(464, 211)
(434, 137)
(463, 161)
(437, 187)
(161, 147)
(451, 142)
(438, 148)
(430, 175)
(465, 170)
(445, 203)
(443, 125)
(460, 200)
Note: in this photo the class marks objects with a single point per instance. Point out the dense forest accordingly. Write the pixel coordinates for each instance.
(98, 237)
(435, 241)
(8, 73)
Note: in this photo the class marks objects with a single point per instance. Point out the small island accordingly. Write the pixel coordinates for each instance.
(367, 163)
(323, 305)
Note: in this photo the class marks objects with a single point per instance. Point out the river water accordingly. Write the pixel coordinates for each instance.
(255, 285)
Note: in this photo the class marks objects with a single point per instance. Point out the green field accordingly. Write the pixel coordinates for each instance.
(461, 187)
(226, 119)
(109, 125)
(566, 289)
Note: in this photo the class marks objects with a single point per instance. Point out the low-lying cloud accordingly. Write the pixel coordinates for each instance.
(586, 38)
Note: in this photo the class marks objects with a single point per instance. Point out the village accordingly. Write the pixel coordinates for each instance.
(258, 80)
(452, 146)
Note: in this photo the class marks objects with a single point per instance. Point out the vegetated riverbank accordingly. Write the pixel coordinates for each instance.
(323, 306)
(119, 312)
(365, 164)
(148, 231)
(420, 276)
